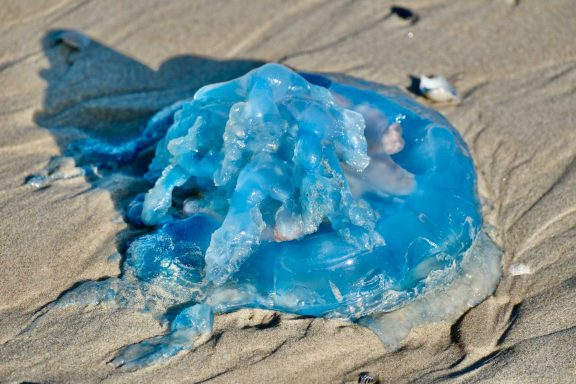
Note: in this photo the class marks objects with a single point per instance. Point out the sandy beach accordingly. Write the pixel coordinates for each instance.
(514, 63)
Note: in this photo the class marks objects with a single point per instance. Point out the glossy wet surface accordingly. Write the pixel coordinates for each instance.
(293, 193)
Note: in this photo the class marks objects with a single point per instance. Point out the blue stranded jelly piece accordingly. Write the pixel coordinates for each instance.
(315, 195)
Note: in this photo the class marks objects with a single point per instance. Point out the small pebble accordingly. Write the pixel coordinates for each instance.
(437, 88)
(405, 14)
(73, 39)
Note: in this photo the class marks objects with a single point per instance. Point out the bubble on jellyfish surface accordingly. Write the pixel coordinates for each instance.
(318, 195)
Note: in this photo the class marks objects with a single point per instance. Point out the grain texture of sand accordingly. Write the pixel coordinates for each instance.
(514, 63)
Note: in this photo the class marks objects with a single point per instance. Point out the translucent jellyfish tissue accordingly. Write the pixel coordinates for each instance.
(303, 193)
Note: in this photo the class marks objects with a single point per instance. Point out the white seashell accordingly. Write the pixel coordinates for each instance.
(519, 269)
(73, 39)
(437, 88)
(367, 378)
